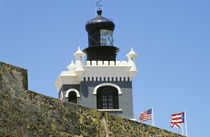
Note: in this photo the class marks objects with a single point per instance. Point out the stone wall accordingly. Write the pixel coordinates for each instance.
(24, 113)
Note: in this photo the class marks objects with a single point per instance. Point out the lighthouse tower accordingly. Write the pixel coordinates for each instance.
(101, 82)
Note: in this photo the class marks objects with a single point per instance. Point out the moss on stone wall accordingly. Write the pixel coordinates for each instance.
(25, 113)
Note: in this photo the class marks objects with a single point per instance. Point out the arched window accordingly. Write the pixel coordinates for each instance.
(72, 97)
(107, 98)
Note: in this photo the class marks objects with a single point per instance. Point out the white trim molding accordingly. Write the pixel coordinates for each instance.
(133, 119)
(110, 110)
(107, 84)
(72, 89)
(61, 96)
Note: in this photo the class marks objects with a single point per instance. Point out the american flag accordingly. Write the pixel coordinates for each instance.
(177, 119)
(146, 115)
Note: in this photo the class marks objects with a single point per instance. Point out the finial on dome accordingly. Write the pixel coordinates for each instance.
(79, 52)
(72, 63)
(72, 66)
(132, 52)
(99, 5)
(99, 12)
(132, 49)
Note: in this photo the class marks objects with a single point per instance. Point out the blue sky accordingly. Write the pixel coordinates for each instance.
(171, 37)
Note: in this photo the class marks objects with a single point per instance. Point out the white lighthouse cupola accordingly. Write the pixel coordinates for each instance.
(132, 60)
(79, 57)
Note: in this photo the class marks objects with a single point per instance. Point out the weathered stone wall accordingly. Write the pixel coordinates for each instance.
(24, 113)
(13, 80)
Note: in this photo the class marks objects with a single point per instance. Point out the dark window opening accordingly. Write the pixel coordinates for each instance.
(107, 98)
(73, 97)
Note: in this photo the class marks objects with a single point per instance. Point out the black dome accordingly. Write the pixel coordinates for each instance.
(100, 39)
(99, 23)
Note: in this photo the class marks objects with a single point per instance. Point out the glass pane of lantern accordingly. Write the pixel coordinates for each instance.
(106, 38)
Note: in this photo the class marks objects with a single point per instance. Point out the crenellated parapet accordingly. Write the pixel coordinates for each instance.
(107, 63)
(98, 70)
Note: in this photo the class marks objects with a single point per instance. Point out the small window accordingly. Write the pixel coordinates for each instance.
(72, 97)
(107, 98)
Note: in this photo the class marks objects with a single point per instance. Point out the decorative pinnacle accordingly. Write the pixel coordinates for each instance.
(72, 63)
(79, 52)
(132, 53)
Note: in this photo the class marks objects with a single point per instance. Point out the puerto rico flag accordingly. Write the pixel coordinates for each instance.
(177, 119)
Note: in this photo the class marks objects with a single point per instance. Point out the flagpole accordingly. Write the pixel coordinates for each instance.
(153, 121)
(185, 118)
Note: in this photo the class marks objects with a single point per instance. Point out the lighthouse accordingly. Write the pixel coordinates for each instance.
(100, 82)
